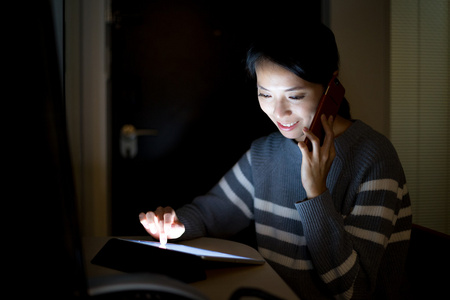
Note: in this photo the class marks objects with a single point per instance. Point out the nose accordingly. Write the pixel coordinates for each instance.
(282, 109)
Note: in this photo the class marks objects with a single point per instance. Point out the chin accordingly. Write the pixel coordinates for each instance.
(301, 138)
(291, 135)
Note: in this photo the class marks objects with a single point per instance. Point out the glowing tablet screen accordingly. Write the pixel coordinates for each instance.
(204, 254)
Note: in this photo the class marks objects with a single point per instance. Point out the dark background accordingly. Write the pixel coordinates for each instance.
(178, 67)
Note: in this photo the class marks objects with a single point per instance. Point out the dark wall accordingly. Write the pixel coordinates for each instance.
(43, 218)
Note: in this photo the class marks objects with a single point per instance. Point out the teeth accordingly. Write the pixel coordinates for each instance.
(289, 125)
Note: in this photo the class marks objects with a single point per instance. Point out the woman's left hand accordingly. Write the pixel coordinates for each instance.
(317, 163)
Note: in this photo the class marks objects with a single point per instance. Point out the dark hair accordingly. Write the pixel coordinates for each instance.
(308, 50)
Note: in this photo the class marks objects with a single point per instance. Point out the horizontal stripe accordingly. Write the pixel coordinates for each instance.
(400, 236)
(249, 157)
(369, 235)
(402, 213)
(373, 211)
(379, 184)
(384, 185)
(276, 209)
(280, 234)
(342, 269)
(348, 294)
(243, 180)
(405, 212)
(235, 198)
(405, 190)
(296, 264)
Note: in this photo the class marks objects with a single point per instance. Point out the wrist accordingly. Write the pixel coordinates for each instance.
(315, 193)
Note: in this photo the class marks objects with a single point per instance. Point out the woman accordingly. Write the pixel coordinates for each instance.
(333, 222)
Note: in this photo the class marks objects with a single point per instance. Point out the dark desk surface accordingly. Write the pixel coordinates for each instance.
(220, 283)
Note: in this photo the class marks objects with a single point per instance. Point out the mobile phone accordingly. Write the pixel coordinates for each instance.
(329, 105)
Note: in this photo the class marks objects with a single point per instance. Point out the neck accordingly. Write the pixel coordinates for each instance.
(340, 125)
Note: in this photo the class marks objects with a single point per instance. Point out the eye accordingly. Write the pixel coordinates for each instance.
(299, 97)
(264, 95)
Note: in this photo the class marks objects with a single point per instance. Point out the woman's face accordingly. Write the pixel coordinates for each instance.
(289, 101)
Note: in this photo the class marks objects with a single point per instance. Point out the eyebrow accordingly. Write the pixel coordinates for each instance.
(295, 88)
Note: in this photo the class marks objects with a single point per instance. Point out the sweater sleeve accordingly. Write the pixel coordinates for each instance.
(347, 250)
(226, 209)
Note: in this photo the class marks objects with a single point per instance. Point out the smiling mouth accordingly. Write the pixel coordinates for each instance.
(287, 126)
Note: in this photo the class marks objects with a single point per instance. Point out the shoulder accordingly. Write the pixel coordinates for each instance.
(364, 147)
(362, 137)
(268, 143)
(266, 149)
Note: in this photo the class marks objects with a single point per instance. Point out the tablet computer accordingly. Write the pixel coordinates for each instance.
(206, 255)
(175, 260)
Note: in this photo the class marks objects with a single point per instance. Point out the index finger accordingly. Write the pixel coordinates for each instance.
(163, 238)
(327, 125)
(168, 221)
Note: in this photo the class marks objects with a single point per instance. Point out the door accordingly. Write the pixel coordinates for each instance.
(177, 74)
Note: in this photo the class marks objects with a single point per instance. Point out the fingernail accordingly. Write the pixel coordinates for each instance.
(305, 129)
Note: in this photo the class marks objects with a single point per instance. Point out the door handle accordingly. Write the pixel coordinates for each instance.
(128, 139)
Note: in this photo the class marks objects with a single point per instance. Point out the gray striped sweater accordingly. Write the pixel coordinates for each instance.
(349, 242)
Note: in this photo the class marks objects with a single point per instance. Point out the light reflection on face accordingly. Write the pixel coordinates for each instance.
(288, 100)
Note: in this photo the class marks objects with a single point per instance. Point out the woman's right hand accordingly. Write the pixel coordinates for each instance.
(162, 224)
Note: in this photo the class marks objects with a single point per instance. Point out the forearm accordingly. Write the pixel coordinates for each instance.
(346, 263)
(226, 209)
(193, 221)
(207, 216)
(330, 246)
